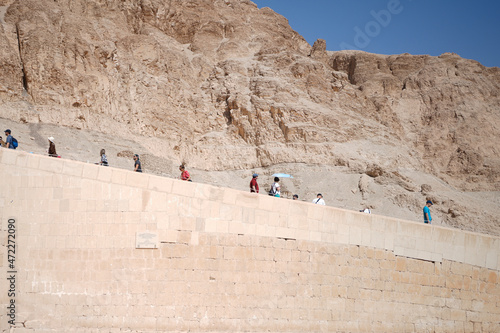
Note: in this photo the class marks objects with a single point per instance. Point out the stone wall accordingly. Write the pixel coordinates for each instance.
(105, 249)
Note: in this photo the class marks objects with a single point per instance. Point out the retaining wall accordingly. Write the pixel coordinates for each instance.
(105, 249)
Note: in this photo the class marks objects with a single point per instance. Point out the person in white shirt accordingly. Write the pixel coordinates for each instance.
(275, 189)
(319, 200)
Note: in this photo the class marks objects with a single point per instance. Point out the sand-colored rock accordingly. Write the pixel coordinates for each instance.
(223, 85)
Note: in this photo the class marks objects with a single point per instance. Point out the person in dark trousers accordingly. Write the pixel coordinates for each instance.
(254, 186)
(137, 164)
(52, 147)
(427, 212)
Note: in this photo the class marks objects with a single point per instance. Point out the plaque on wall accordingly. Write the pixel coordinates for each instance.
(146, 240)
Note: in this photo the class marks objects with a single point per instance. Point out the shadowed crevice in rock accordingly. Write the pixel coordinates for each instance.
(24, 79)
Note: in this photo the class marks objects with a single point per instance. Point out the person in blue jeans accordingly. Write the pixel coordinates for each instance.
(427, 212)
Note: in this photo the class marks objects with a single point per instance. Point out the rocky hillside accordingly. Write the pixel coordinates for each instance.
(223, 85)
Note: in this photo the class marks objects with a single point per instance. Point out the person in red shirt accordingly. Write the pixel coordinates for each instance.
(254, 187)
(184, 174)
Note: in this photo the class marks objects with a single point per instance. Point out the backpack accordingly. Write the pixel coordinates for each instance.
(272, 191)
(14, 142)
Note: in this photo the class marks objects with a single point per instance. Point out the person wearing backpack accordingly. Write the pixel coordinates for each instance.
(10, 141)
(275, 188)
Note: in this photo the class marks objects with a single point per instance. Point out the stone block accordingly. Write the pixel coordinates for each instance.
(341, 238)
(104, 174)
(405, 252)
(136, 179)
(361, 221)
(260, 230)
(33, 161)
(443, 235)
(72, 168)
(183, 188)
(229, 196)
(336, 216)
(160, 184)
(377, 239)
(226, 211)
(425, 244)
(222, 226)
(90, 171)
(355, 235)
(157, 201)
(415, 230)
(475, 256)
(136, 200)
(286, 233)
(247, 199)
(313, 211)
(118, 176)
(430, 256)
(9, 156)
(315, 236)
(492, 260)
(211, 225)
(458, 254)
(236, 227)
(266, 202)
(162, 220)
(51, 164)
(282, 205)
(21, 159)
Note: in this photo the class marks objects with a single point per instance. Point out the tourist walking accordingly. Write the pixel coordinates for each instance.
(10, 142)
(137, 163)
(254, 186)
(427, 212)
(319, 200)
(52, 147)
(275, 188)
(104, 158)
(184, 173)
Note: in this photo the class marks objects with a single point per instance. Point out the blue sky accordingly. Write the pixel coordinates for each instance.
(468, 28)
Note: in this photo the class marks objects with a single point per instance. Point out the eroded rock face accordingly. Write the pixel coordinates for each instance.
(229, 86)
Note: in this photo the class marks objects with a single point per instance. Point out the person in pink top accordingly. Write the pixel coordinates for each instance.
(184, 174)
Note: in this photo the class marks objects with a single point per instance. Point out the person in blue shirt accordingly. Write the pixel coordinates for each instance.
(9, 140)
(427, 212)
